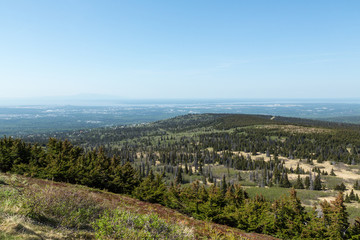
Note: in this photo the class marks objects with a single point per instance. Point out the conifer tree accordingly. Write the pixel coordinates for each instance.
(352, 195)
(152, 189)
(347, 199)
(317, 183)
(340, 187)
(125, 179)
(284, 182)
(355, 230)
(307, 182)
(223, 185)
(186, 168)
(340, 221)
(297, 170)
(290, 216)
(179, 179)
(299, 184)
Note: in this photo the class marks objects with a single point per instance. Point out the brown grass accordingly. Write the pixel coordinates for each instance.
(296, 129)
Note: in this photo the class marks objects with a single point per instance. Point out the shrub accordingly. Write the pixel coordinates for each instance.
(119, 224)
(61, 207)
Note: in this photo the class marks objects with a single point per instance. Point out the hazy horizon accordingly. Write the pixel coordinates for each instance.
(96, 100)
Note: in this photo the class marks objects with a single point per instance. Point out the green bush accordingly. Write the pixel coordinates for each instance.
(125, 225)
(61, 207)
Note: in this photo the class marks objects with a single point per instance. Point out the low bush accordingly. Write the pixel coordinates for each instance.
(61, 207)
(125, 225)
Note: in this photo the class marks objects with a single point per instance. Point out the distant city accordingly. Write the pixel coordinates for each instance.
(27, 119)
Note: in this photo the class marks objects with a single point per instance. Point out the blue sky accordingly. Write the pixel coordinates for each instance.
(180, 49)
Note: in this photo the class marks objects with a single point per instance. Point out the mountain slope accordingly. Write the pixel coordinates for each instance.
(17, 221)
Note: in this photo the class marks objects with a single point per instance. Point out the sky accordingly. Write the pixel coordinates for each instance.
(184, 49)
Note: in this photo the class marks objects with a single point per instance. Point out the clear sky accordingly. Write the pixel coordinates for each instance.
(180, 49)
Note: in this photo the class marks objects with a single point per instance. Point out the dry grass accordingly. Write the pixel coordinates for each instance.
(345, 173)
(295, 129)
(20, 227)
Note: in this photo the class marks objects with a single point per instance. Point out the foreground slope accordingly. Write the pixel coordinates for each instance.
(27, 211)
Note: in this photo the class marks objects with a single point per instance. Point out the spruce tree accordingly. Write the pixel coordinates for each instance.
(317, 183)
(124, 180)
(299, 184)
(223, 185)
(152, 189)
(355, 230)
(352, 195)
(340, 187)
(307, 182)
(284, 181)
(179, 179)
(347, 199)
(340, 222)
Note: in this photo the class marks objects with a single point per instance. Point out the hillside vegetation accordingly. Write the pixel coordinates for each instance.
(40, 209)
(236, 170)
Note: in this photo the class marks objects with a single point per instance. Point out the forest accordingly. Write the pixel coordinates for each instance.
(215, 167)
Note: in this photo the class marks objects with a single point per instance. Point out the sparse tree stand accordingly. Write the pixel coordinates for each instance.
(340, 187)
